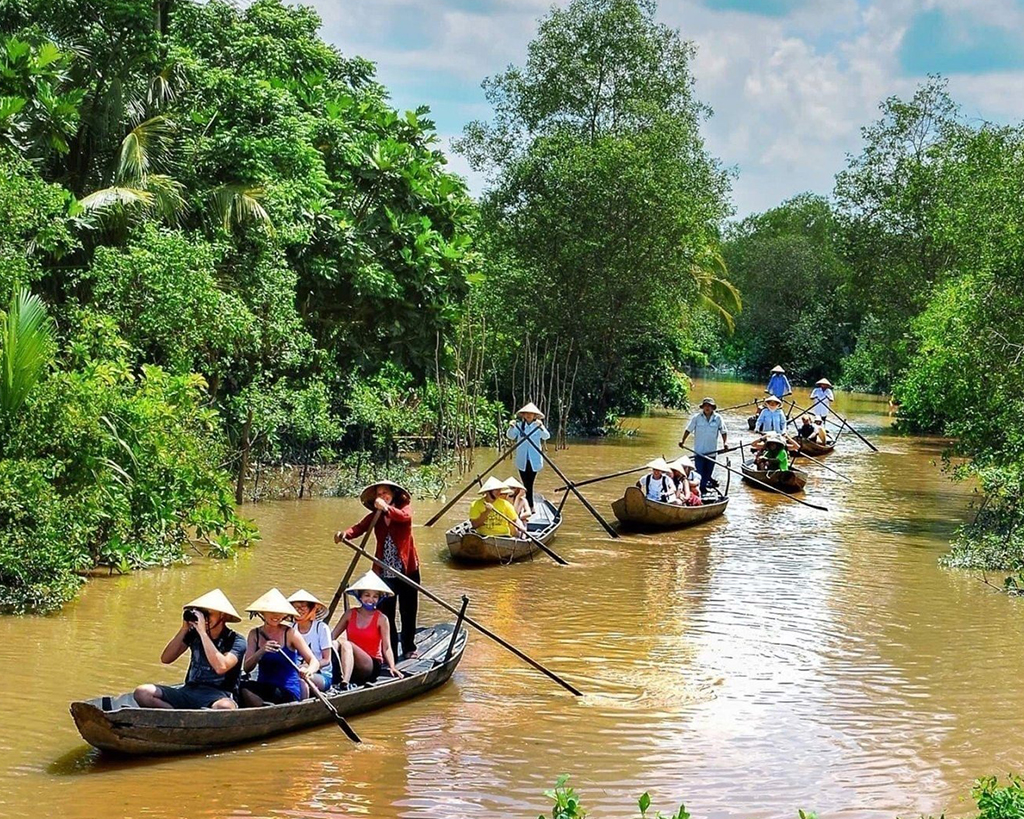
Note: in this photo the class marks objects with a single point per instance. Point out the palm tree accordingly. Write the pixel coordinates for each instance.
(27, 338)
(715, 293)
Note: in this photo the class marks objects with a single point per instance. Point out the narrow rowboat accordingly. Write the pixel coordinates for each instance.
(118, 725)
(790, 480)
(466, 544)
(814, 449)
(634, 510)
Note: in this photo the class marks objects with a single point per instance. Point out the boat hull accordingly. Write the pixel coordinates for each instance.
(466, 544)
(790, 481)
(635, 511)
(815, 449)
(123, 728)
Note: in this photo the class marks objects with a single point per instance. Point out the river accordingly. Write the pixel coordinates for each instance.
(773, 659)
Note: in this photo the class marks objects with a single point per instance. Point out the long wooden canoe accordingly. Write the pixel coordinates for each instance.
(119, 725)
(789, 480)
(634, 510)
(815, 449)
(465, 543)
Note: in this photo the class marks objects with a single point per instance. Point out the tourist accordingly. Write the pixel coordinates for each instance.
(491, 514)
(397, 549)
(316, 634)
(778, 384)
(215, 661)
(706, 426)
(363, 635)
(822, 396)
(775, 456)
(529, 430)
(807, 430)
(658, 485)
(270, 647)
(518, 499)
(684, 473)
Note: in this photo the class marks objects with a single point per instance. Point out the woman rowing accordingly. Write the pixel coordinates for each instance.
(529, 430)
(279, 653)
(395, 548)
(363, 634)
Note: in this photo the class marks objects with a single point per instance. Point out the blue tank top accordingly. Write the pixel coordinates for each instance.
(276, 670)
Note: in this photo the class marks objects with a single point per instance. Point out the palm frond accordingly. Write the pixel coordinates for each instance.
(235, 204)
(116, 195)
(27, 336)
(143, 148)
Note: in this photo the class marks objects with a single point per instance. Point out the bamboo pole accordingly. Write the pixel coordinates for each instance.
(574, 490)
(478, 479)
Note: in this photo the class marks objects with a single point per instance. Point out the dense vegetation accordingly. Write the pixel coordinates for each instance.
(909, 280)
(994, 801)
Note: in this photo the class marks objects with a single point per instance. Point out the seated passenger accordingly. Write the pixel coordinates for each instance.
(316, 634)
(820, 432)
(363, 636)
(775, 456)
(684, 473)
(807, 430)
(214, 663)
(492, 515)
(658, 486)
(270, 647)
(518, 499)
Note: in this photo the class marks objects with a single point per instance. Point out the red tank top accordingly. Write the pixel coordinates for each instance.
(368, 639)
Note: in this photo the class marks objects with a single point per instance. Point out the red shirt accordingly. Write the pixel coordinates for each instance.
(399, 522)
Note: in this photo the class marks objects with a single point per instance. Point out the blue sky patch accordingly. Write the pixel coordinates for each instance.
(936, 42)
(764, 8)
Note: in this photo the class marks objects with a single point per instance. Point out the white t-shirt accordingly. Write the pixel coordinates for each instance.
(317, 638)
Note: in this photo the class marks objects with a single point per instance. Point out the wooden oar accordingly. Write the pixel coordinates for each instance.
(478, 479)
(850, 427)
(740, 406)
(574, 490)
(338, 718)
(482, 629)
(543, 547)
(762, 483)
(351, 568)
(603, 478)
(825, 465)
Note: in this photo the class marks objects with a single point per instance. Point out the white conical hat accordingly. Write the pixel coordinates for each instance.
(778, 369)
(774, 398)
(215, 600)
(531, 408)
(303, 596)
(512, 483)
(682, 464)
(369, 582)
(492, 484)
(660, 464)
(821, 381)
(273, 602)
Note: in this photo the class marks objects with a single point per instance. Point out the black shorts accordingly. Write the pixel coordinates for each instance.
(191, 696)
(374, 672)
(268, 692)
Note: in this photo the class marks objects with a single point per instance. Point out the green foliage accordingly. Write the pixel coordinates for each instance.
(567, 803)
(604, 206)
(26, 346)
(997, 801)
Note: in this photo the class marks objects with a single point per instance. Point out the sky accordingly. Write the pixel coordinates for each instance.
(791, 82)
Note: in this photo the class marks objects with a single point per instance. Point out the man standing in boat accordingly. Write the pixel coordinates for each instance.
(216, 661)
(706, 426)
(822, 396)
(778, 384)
(529, 430)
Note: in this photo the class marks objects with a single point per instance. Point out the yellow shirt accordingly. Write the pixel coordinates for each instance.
(494, 525)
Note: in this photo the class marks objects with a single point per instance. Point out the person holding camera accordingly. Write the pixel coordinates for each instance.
(215, 662)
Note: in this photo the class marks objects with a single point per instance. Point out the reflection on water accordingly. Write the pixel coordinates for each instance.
(774, 658)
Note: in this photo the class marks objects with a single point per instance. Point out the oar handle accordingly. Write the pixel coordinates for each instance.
(536, 540)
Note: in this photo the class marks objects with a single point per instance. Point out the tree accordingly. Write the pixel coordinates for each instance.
(604, 201)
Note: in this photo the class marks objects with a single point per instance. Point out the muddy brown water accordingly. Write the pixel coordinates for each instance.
(776, 658)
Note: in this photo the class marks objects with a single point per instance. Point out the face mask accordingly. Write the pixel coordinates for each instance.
(369, 606)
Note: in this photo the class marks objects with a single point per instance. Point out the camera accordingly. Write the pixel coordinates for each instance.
(190, 616)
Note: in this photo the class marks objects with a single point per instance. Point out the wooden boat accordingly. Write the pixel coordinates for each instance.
(118, 725)
(634, 510)
(790, 480)
(815, 449)
(466, 544)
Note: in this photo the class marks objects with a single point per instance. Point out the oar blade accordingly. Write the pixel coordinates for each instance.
(348, 729)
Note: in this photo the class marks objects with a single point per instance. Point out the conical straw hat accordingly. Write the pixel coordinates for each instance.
(273, 602)
(492, 484)
(369, 582)
(778, 369)
(531, 408)
(774, 399)
(822, 382)
(215, 600)
(369, 493)
(512, 483)
(660, 464)
(303, 596)
(682, 464)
